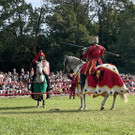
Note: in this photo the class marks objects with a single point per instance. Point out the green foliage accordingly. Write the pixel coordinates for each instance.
(68, 24)
(15, 44)
(113, 31)
(72, 21)
(18, 27)
(126, 40)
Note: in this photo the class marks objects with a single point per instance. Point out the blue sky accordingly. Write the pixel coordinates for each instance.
(35, 3)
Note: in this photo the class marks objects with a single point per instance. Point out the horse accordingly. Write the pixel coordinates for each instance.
(40, 84)
(105, 75)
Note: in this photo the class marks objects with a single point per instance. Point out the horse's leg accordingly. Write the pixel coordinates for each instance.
(85, 106)
(37, 104)
(103, 103)
(114, 98)
(81, 107)
(44, 104)
(38, 100)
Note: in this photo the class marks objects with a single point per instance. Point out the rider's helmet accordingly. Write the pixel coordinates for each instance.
(95, 40)
(42, 56)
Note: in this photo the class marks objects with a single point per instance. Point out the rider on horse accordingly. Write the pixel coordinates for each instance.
(42, 58)
(92, 56)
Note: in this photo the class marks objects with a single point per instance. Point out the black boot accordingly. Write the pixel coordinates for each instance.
(82, 77)
(48, 87)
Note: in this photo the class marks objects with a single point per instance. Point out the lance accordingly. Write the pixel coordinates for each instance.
(79, 46)
(35, 40)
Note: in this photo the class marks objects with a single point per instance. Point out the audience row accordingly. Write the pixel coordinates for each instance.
(13, 82)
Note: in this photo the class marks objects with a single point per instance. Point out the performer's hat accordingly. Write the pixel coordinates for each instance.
(95, 40)
(38, 56)
(42, 54)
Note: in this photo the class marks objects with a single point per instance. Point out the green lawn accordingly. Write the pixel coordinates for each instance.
(19, 116)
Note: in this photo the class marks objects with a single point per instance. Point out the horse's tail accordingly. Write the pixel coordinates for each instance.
(124, 97)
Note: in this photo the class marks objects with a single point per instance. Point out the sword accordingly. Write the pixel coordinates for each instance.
(80, 46)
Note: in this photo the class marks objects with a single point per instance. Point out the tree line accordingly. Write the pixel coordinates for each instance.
(24, 30)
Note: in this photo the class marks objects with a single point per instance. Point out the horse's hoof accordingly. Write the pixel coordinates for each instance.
(112, 108)
(80, 109)
(37, 106)
(102, 108)
(44, 106)
(85, 108)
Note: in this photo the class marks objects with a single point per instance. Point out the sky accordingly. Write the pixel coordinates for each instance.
(35, 3)
(38, 3)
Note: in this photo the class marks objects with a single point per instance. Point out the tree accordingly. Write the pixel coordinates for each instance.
(126, 40)
(108, 13)
(19, 22)
(68, 23)
(73, 21)
(13, 35)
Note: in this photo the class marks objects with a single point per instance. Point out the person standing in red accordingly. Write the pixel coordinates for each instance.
(73, 85)
(92, 56)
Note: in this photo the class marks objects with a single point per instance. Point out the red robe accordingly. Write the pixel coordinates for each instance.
(72, 88)
(92, 56)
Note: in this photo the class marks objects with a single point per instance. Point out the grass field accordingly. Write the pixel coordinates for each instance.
(19, 116)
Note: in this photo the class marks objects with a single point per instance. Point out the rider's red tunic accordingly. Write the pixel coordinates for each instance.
(92, 56)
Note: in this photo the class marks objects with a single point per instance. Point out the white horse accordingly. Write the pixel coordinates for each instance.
(74, 64)
(40, 84)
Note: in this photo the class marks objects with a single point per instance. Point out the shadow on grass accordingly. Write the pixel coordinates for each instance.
(37, 112)
(19, 107)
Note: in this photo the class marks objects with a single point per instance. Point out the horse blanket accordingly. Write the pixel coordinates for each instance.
(40, 87)
(105, 79)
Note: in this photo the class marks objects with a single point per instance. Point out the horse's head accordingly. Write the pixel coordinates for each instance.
(72, 64)
(39, 67)
(39, 72)
(66, 64)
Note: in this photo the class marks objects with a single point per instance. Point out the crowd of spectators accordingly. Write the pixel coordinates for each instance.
(129, 81)
(60, 82)
(13, 82)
